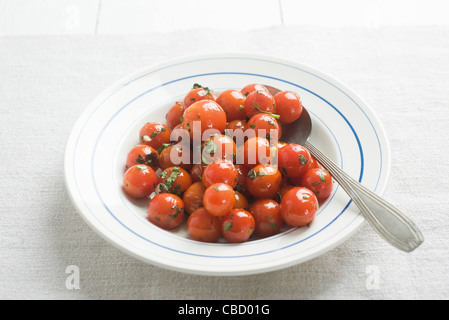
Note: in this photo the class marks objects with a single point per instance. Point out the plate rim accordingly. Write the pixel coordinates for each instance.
(385, 171)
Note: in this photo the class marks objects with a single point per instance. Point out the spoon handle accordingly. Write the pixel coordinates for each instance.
(388, 221)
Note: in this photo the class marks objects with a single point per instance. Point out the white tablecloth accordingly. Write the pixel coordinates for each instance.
(46, 82)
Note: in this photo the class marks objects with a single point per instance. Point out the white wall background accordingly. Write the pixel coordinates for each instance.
(61, 17)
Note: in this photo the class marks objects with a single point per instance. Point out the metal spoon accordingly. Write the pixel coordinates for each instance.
(388, 221)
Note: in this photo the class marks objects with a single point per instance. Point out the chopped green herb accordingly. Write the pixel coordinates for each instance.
(227, 226)
(241, 107)
(140, 159)
(252, 174)
(164, 145)
(252, 126)
(216, 188)
(302, 159)
(315, 183)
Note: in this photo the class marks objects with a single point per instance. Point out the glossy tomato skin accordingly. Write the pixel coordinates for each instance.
(237, 226)
(288, 106)
(174, 115)
(193, 197)
(143, 154)
(294, 160)
(241, 202)
(220, 171)
(257, 150)
(218, 147)
(196, 173)
(219, 199)
(166, 210)
(253, 87)
(154, 134)
(232, 102)
(241, 179)
(259, 101)
(203, 115)
(175, 153)
(202, 226)
(263, 181)
(139, 181)
(283, 190)
(265, 125)
(319, 181)
(267, 216)
(299, 206)
(198, 93)
(174, 180)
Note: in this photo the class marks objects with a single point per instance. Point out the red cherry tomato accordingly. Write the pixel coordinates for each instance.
(241, 179)
(154, 134)
(293, 160)
(259, 101)
(298, 207)
(319, 181)
(253, 87)
(220, 171)
(267, 125)
(143, 154)
(174, 115)
(219, 199)
(202, 226)
(193, 197)
(174, 180)
(166, 210)
(198, 93)
(237, 225)
(288, 106)
(283, 190)
(218, 147)
(263, 181)
(175, 155)
(257, 150)
(241, 202)
(196, 173)
(267, 215)
(232, 102)
(203, 115)
(139, 181)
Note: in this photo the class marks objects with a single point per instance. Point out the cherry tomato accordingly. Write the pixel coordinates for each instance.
(288, 106)
(198, 93)
(220, 171)
(193, 197)
(240, 201)
(174, 115)
(203, 115)
(175, 155)
(283, 190)
(314, 163)
(236, 125)
(257, 150)
(294, 160)
(218, 147)
(298, 207)
(139, 181)
(237, 225)
(241, 179)
(166, 210)
(267, 125)
(202, 226)
(263, 181)
(219, 199)
(174, 180)
(253, 87)
(143, 154)
(259, 101)
(319, 181)
(154, 134)
(267, 215)
(232, 102)
(197, 172)
(281, 144)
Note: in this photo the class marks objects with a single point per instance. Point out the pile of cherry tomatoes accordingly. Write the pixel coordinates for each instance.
(256, 185)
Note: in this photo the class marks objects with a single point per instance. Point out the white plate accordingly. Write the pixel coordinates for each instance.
(344, 127)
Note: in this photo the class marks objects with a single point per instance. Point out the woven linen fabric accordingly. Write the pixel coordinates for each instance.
(47, 81)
